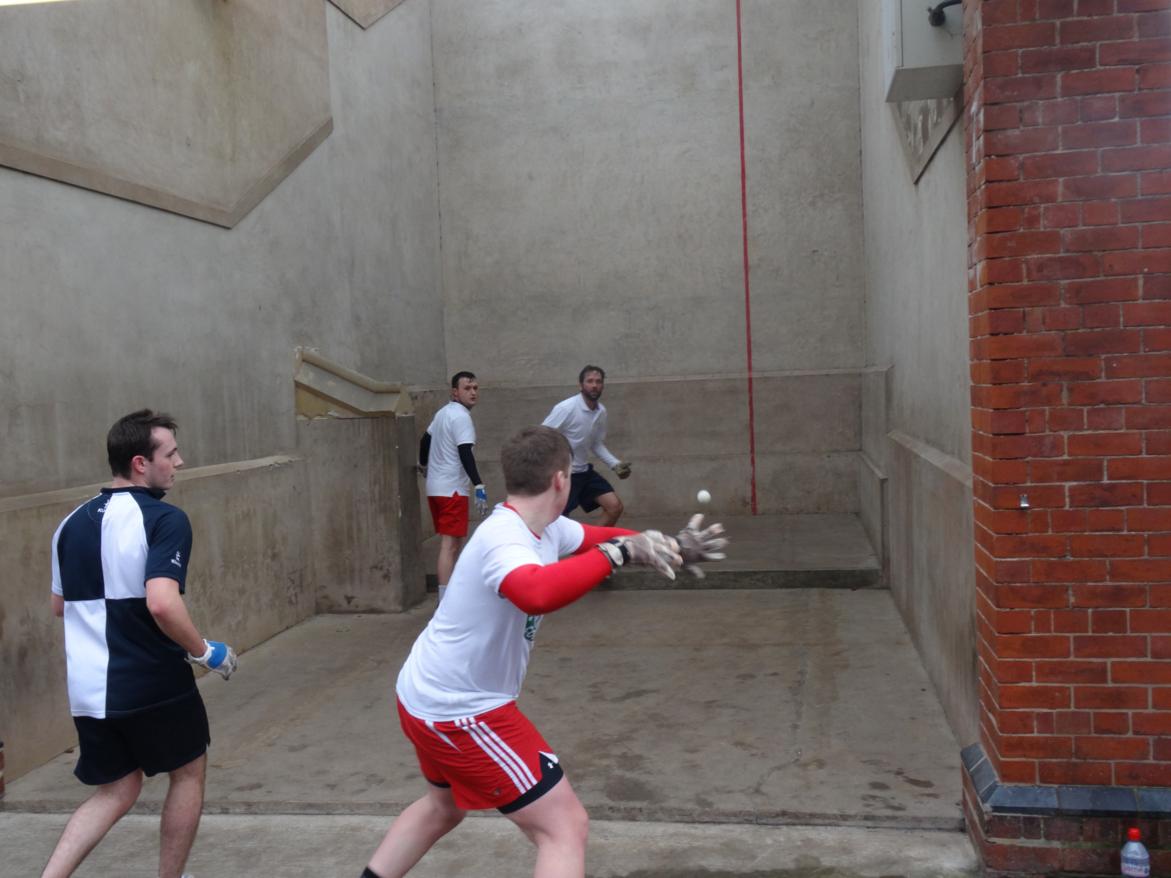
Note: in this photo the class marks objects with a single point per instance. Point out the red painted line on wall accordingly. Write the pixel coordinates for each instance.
(744, 236)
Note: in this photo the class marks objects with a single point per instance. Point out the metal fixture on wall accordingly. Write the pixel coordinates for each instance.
(923, 56)
(936, 17)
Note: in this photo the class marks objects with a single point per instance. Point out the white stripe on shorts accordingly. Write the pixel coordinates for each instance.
(500, 743)
(446, 740)
(500, 753)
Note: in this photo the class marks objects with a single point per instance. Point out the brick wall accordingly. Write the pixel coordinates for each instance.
(1059, 844)
(1068, 136)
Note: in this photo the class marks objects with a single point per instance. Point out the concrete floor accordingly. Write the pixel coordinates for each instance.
(769, 730)
(707, 717)
(313, 847)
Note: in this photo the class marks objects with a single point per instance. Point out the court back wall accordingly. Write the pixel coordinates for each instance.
(591, 190)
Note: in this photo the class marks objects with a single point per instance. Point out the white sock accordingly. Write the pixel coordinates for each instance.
(442, 589)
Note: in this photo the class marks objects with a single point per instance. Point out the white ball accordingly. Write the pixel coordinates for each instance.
(704, 497)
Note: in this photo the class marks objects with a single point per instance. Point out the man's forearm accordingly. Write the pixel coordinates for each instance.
(469, 462)
(167, 608)
(595, 534)
(605, 455)
(424, 449)
(537, 590)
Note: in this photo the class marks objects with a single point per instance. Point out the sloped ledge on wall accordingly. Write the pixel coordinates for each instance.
(96, 179)
(365, 12)
(198, 109)
(326, 389)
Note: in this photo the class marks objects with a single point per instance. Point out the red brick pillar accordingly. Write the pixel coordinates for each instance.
(1067, 132)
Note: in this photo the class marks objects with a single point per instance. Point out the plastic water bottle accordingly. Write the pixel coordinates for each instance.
(1135, 859)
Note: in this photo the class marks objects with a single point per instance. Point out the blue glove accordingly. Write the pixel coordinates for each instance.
(481, 500)
(218, 657)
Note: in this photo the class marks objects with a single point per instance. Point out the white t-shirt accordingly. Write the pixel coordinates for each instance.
(473, 654)
(450, 428)
(585, 428)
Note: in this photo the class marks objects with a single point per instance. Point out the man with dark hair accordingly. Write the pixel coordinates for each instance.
(445, 456)
(457, 690)
(119, 572)
(582, 420)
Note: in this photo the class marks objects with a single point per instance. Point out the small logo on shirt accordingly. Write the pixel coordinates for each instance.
(178, 559)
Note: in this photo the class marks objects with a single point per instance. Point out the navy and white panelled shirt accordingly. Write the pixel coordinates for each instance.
(118, 659)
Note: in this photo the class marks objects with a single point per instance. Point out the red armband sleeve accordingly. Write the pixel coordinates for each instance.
(595, 535)
(538, 590)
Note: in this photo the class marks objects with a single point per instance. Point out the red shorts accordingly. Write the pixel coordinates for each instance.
(496, 760)
(450, 515)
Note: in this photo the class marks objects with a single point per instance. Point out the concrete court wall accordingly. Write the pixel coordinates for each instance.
(589, 158)
(695, 440)
(917, 428)
(109, 306)
(343, 257)
(365, 511)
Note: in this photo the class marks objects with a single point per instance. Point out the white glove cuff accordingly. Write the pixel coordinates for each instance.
(614, 552)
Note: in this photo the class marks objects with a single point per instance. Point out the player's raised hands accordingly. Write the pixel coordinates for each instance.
(649, 548)
(698, 543)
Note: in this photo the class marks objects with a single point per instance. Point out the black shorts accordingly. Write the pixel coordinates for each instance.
(156, 740)
(584, 490)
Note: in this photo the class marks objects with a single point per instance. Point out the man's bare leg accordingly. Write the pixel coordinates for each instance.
(90, 823)
(414, 832)
(559, 826)
(181, 812)
(448, 551)
(611, 508)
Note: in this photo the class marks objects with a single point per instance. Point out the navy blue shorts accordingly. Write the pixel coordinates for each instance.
(584, 490)
(156, 740)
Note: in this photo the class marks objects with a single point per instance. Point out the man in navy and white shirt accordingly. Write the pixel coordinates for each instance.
(582, 420)
(119, 571)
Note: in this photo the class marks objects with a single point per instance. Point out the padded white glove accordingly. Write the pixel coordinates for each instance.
(649, 548)
(218, 657)
(481, 500)
(697, 545)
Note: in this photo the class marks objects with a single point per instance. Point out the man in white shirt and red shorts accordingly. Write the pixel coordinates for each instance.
(445, 455)
(457, 689)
